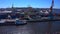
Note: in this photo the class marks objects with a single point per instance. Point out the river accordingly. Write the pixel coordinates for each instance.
(32, 28)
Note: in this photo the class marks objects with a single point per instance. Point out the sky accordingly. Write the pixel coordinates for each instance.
(27, 3)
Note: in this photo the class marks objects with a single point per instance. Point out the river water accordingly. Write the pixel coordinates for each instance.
(32, 28)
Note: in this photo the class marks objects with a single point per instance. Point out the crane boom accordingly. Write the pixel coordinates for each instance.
(51, 8)
(52, 5)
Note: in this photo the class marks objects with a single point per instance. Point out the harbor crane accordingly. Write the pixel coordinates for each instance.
(50, 10)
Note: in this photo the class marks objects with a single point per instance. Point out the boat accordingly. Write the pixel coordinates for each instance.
(20, 22)
(2, 21)
(13, 21)
(9, 20)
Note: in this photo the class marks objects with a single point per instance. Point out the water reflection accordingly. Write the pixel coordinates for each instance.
(49, 27)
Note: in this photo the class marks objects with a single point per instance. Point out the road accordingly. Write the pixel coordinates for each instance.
(31, 28)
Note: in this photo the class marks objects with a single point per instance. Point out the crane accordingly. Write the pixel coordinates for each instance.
(51, 8)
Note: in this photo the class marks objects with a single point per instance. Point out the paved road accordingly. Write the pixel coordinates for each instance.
(31, 28)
